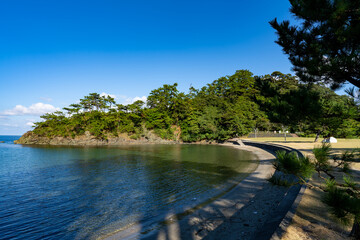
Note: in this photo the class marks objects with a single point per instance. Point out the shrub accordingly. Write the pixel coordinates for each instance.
(291, 163)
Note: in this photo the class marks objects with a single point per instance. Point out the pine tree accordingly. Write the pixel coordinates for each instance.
(326, 46)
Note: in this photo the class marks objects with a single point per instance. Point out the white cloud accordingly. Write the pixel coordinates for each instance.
(129, 100)
(36, 109)
(123, 99)
(103, 94)
(132, 100)
(31, 124)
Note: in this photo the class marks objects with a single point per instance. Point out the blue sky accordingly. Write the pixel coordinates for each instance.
(52, 53)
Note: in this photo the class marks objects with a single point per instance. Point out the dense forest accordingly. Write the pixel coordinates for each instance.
(228, 107)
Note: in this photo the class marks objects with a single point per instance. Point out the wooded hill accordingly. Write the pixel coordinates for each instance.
(229, 106)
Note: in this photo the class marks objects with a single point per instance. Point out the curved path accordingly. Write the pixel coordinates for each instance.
(251, 210)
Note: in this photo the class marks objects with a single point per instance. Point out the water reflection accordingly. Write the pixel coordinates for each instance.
(78, 193)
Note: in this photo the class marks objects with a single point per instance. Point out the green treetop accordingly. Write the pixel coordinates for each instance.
(326, 46)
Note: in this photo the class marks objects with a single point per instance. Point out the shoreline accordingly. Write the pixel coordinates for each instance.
(132, 230)
(214, 219)
(233, 213)
(87, 139)
(297, 227)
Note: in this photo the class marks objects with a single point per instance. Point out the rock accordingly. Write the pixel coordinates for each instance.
(89, 140)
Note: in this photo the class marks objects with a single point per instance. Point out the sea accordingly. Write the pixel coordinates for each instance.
(57, 192)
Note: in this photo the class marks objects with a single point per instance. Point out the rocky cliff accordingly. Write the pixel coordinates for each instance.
(89, 140)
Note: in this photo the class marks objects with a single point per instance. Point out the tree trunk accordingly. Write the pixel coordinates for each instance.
(355, 231)
(317, 136)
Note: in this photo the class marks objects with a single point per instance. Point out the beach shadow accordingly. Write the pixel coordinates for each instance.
(310, 213)
(253, 214)
(180, 223)
(241, 213)
(210, 221)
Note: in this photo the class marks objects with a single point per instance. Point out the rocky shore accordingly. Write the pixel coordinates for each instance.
(89, 140)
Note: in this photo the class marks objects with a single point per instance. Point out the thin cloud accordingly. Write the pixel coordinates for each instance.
(132, 100)
(31, 124)
(103, 94)
(36, 109)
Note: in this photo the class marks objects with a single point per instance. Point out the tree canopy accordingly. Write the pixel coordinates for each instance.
(230, 106)
(325, 47)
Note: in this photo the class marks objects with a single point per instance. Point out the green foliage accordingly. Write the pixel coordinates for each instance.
(343, 204)
(343, 200)
(349, 182)
(135, 136)
(228, 107)
(336, 199)
(346, 167)
(325, 47)
(349, 128)
(164, 99)
(322, 156)
(209, 121)
(139, 132)
(156, 119)
(190, 129)
(165, 133)
(345, 159)
(279, 180)
(309, 109)
(291, 163)
(225, 108)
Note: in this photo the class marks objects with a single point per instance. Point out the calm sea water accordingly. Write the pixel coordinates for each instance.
(86, 193)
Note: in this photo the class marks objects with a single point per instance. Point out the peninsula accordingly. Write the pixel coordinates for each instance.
(230, 106)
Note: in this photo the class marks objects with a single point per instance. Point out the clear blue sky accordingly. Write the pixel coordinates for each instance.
(52, 53)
